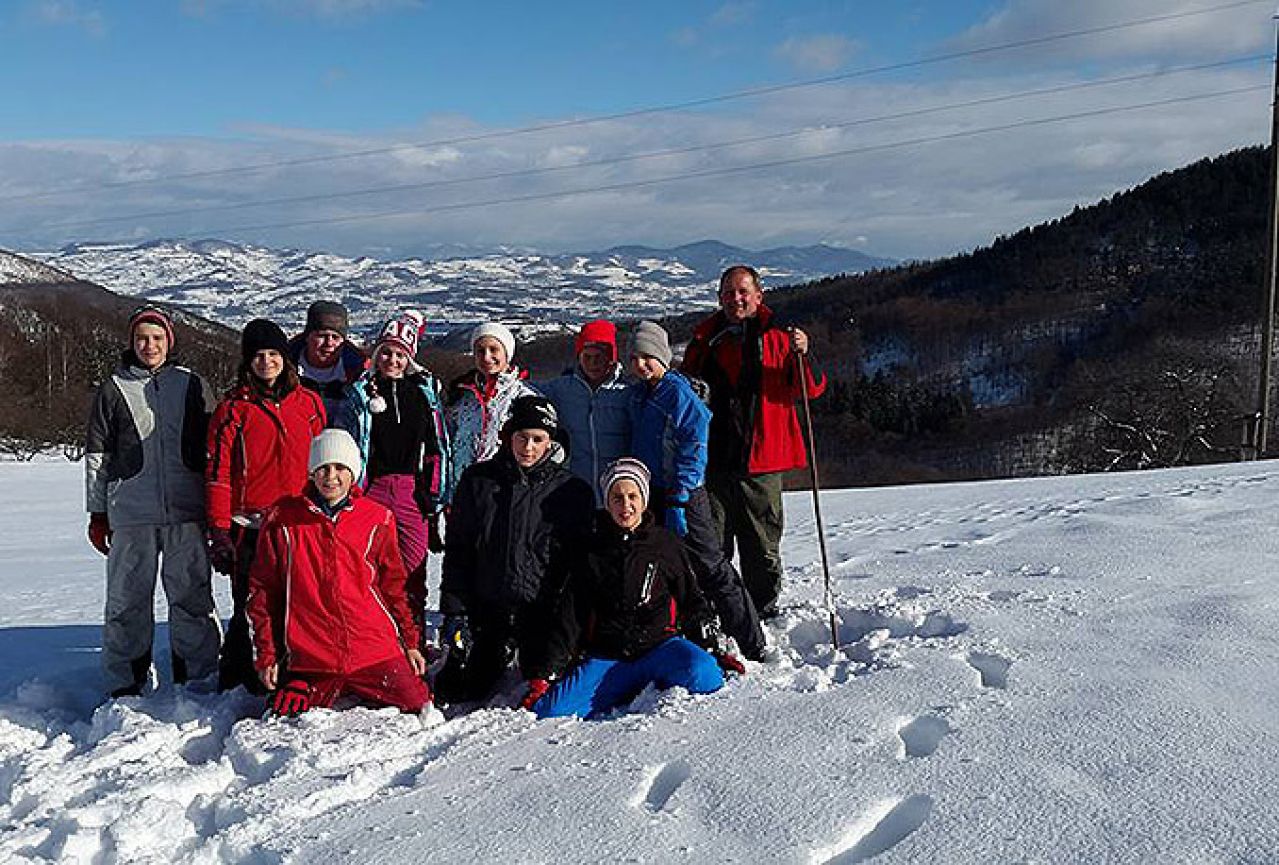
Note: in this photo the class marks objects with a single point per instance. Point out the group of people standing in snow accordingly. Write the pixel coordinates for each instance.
(587, 523)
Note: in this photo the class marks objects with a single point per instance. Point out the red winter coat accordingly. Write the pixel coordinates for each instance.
(767, 416)
(327, 595)
(258, 450)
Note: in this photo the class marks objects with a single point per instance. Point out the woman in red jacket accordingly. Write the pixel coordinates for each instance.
(326, 595)
(258, 442)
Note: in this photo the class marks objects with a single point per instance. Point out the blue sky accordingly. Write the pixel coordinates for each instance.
(99, 94)
(217, 68)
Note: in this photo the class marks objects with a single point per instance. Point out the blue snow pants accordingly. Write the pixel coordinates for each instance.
(599, 685)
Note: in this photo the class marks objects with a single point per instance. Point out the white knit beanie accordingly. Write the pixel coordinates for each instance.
(334, 446)
(499, 332)
(626, 469)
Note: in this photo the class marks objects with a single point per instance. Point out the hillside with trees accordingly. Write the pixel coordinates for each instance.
(1123, 335)
(60, 337)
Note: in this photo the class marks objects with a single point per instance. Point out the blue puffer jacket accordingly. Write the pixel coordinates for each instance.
(669, 427)
(435, 474)
(598, 421)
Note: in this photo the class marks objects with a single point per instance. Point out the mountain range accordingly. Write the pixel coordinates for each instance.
(233, 283)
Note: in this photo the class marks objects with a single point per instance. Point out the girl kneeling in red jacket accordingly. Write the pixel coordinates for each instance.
(326, 595)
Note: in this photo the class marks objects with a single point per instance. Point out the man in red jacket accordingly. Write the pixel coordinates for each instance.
(326, 595)
(752, 367)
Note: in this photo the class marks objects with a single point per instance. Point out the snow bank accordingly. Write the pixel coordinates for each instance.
(1073, 669)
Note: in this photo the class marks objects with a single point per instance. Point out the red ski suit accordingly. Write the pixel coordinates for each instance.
(327, 595)
(258, 450)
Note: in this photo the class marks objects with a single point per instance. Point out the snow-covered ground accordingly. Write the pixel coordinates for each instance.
(1073, 669)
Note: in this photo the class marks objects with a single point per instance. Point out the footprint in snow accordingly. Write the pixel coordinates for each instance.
(878, 832)
(992, 668)
(661, 784)
(921, 736)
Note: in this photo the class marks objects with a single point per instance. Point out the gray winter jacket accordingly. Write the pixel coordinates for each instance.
(145, 449)
(598, 421)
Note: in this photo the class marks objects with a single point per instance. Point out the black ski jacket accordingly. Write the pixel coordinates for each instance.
(509, 532)
(627, 592)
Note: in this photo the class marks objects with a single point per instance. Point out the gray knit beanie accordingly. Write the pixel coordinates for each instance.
(649, 338)
(327, 315)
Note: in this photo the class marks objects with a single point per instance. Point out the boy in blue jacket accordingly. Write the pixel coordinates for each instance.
(669, 429)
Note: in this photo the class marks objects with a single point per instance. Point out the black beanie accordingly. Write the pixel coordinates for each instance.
(262, 333)
(531, 412)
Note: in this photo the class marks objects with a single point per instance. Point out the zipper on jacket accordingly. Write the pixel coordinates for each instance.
(158, 433)
(646, 592)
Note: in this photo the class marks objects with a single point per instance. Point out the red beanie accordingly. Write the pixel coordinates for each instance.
(598, 332)
(151, 315)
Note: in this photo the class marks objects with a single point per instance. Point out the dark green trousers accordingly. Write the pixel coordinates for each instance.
(748, 516)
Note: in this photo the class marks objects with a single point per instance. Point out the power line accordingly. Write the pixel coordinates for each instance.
(651, 110)
(738, 169)
(655, 154)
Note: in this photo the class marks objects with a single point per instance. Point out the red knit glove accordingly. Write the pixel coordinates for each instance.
(100, 533)
(537, 688)
(293, 699)
(730, 663)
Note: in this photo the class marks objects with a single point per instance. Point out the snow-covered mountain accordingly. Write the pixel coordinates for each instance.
(233, 283)
(17, 270)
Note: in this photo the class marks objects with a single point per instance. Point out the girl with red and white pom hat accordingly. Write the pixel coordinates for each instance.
(394, 413)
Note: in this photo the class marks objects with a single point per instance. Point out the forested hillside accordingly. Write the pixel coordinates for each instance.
(1123, 335)
(59, 339)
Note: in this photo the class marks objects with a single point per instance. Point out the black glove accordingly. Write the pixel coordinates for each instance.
(708, 635)
(100, 533)
(293, 699)
(455, 636)
(221, 551)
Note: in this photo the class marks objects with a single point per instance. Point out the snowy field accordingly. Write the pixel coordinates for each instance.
(1075, 669)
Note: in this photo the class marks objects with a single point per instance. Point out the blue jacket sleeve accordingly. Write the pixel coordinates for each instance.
(690, 420)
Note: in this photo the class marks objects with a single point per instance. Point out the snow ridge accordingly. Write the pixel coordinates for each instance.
(15, 269)
(233, 283)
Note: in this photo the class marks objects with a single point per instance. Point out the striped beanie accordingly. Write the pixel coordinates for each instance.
(626, 469)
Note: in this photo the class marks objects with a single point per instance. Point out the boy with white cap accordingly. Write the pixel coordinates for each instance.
(326, 595)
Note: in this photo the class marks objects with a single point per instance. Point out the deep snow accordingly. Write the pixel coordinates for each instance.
(1071, 669)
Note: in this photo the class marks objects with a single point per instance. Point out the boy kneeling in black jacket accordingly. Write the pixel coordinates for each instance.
(514, 520)
(631, 607)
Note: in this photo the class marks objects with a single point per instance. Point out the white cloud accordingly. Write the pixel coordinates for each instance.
(821, 53)
(732, 13)
(69, 13)
(1179, 33)
(728, 16)
(919, 200)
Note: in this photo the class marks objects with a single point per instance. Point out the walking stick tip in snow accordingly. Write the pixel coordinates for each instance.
(817, 504)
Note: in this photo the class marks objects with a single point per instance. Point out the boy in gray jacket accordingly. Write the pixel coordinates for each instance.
(144, 488)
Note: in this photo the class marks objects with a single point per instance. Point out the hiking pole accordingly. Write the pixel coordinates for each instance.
(817, 503)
